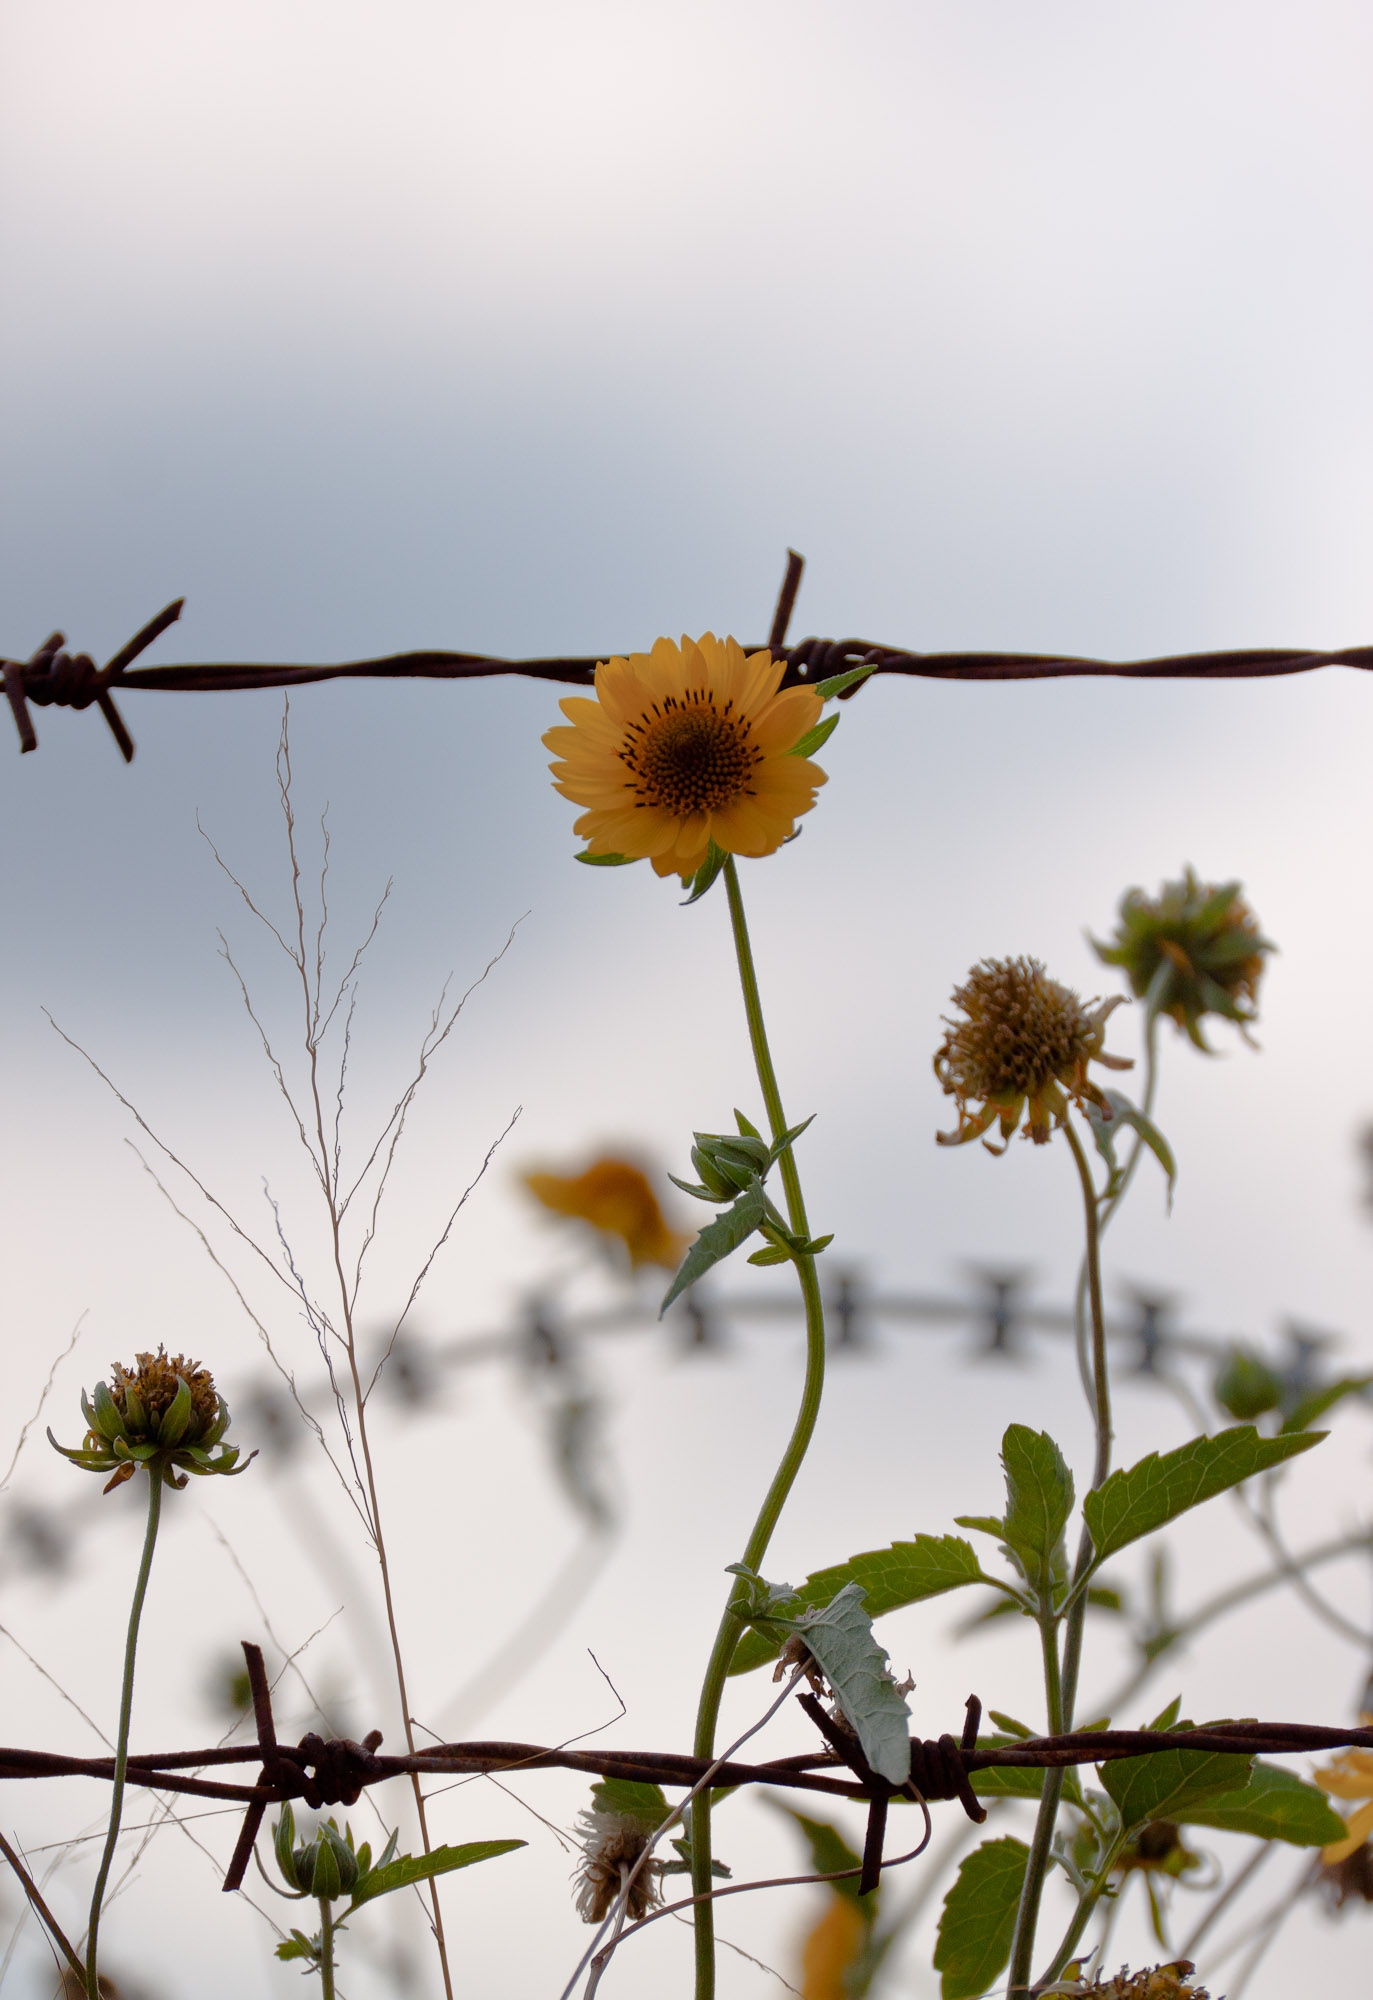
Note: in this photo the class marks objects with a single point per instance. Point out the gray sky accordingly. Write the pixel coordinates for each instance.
(546, 329)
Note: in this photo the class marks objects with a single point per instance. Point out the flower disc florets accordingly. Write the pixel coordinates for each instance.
(164, 1413)
(1156, 1982)
(685, 747)
(1192, 950)
(1023, 1047)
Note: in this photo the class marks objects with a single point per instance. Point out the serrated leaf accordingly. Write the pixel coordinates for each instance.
(644, 1804)
(1138, 1500)
(814, 738)
(1168, 1784)
(978, 1920)
(718, 1239)
(1039, 1499)
(840, 1638)
(1320, 1400)
(419, 1867)
(837, 683)
(1275, 1805)
(904, 1573)
(604, 860)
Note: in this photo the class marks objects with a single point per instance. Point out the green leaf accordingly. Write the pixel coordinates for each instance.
(284, 1841)
(841, 1638)
(1167, 1717)
(706, 874)
(299, 1946)
(1008, 1781)
(815, 738)
(836, 683)
(1168, 1783)
(644, 1804)
(830, 1854)
(1105, 1131)
(978, 1919)
(772, 1254)
(1274, 1805)
(177, 1415)
(1140, 1499)
(1039, 1499)
(985, 1524)
(1320, 1400)
(746, 1129)
(604, 860)
(788, 1138)
(717, 1240)
(419, 1867)
(1016, 1731)
(102, 1413)
(905, 1573)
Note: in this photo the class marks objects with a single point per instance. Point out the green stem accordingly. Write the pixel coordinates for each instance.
(121, 1751)
(1082, 1915)
(1061, 1686)
(1107, 1209)
(731, 1626)
(326, 1948)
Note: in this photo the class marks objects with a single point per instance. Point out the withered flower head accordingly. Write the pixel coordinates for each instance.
(1156, 1982)
(1023, 1046)
(1192, 950)
(612, 1844)
(163, 1414)
(616, 1198)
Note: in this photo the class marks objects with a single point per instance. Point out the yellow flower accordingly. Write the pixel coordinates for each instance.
(1350, 1776)
(615, 1197)
(1024, 1046)
(684, 746)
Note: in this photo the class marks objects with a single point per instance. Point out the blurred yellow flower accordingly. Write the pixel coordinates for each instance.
(684, 746)
(615, 1197)
(1350, 1776)
(831, 1949)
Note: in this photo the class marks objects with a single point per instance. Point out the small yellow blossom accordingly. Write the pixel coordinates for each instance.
(615, 1197)
(1350, 1776)
(685, 746)
(1023, 1046)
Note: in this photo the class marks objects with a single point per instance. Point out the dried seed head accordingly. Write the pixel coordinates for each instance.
(154, 1381)
(1156, 1982)
(1023, 1045)
(612, 1845)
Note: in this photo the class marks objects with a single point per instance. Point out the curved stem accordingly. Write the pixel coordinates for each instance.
(121, 1750)
(731, 1626)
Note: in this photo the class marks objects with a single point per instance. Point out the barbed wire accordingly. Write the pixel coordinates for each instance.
(52, 677)
(337, 1771)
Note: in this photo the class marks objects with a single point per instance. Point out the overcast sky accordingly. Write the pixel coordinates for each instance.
(542, 328)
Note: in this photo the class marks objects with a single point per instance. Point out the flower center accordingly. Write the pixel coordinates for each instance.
(689, 757)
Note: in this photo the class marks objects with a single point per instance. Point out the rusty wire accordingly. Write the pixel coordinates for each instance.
(53, 677)
(337, 1771)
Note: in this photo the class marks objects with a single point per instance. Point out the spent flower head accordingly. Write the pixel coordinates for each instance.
(164, 1413)
(613, 1843)
(683, 748)
(1022, 1047)
(1155, 1982)
(1192, 950)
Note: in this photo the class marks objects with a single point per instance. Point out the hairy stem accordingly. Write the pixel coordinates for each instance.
(121, 1748)
(326, 1948)
(731, 1626)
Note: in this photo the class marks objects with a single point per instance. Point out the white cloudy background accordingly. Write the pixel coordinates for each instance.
(545, 329)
